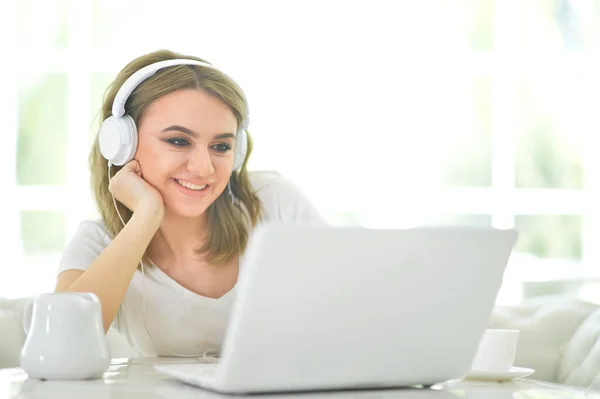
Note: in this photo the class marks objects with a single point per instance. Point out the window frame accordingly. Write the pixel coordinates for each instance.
(502, 200)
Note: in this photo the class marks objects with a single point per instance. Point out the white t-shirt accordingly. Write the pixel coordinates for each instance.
(177, 321)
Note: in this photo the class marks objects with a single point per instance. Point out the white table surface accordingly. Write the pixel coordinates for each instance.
(135, 378)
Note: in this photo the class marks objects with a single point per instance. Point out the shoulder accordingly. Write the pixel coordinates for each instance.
(283, 200)
(87, 243)
(93, 229)
(268, 183)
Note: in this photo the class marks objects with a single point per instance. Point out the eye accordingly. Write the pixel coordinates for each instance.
(222, 147)
(179, 142)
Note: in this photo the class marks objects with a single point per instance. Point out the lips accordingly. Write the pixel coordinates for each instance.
(193, 190)
(191, 186)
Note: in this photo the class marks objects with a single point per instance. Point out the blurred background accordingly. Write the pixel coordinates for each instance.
(386, 113)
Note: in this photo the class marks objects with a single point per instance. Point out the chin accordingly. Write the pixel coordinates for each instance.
(188, 204)
(188, 210)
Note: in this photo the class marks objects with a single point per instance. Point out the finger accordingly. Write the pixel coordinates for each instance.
(139, 170)
(135, 167)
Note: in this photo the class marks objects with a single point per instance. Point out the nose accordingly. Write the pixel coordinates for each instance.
(200, 163)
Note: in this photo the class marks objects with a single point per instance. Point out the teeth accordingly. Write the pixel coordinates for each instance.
(191, 186)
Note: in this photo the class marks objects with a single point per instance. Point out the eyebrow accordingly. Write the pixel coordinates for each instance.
(189, 132)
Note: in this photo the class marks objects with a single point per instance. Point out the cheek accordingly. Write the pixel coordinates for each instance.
(155, 161)
(222, 164)
(146, 149)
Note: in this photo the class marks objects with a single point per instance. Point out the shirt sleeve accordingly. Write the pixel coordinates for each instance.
(285, 202)
(84, 247)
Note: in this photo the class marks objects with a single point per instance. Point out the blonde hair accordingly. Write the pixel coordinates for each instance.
(228, 223)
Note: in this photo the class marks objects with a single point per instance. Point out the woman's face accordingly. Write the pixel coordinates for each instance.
(186, 149)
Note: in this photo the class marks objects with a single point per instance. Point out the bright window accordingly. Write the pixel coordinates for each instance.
(388, 114)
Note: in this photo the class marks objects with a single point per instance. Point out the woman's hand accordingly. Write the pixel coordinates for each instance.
(129, 187)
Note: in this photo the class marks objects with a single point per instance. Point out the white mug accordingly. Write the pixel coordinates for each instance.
(65, 337)
(497, 350)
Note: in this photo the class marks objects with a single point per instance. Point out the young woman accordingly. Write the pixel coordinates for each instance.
(177, 206)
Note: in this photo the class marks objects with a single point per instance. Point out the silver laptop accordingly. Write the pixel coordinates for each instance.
(329, 308)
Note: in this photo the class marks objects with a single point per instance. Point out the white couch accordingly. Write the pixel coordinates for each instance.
(560, 338)
(556, 338)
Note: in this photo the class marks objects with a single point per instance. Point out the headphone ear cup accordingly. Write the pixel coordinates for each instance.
(118, 139)
(241, 147)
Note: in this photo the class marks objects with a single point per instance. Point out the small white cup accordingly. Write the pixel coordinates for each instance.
(497, 351)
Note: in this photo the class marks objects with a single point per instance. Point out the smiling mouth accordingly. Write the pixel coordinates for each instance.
(195, 187)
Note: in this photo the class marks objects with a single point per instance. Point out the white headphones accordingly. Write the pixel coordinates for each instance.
(118, 136)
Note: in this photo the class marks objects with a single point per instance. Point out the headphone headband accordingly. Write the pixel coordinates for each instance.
(118, 108)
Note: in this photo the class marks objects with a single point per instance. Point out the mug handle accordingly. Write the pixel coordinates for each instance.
(27, 314)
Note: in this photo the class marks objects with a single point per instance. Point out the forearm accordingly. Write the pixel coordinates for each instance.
(110, 274)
